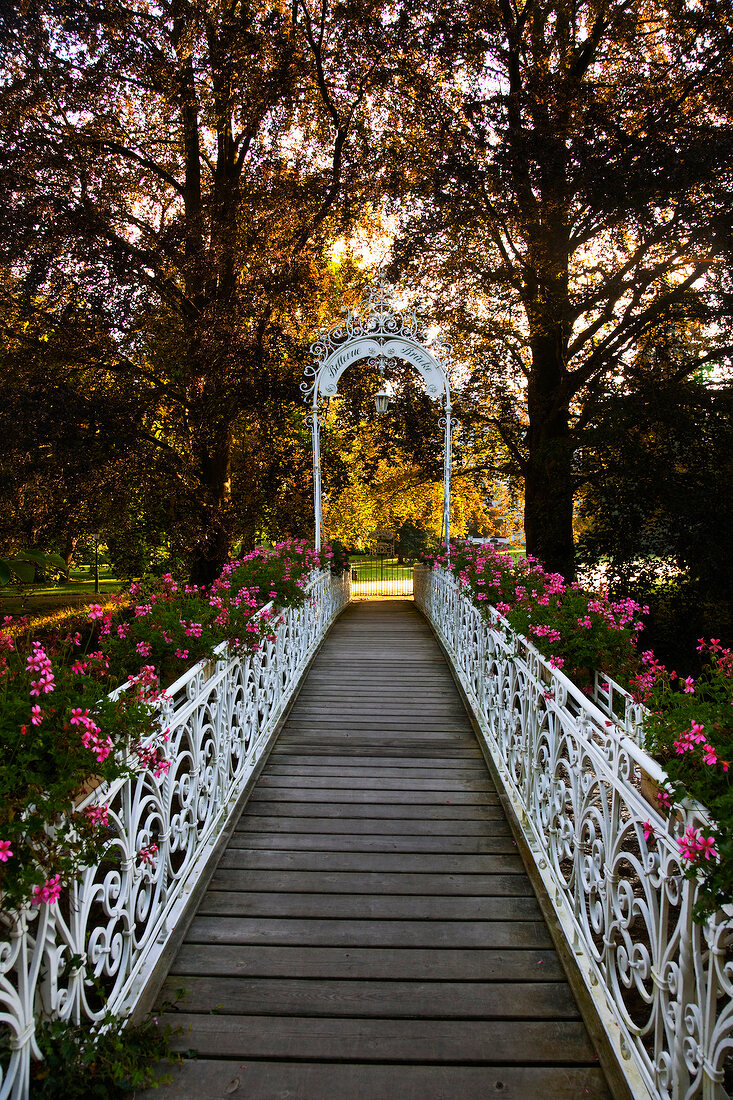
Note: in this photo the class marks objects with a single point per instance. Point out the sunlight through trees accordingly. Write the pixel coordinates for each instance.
(190, 189)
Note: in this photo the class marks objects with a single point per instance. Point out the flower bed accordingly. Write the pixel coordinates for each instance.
(62, 724)
(688, 725)
(577, 631)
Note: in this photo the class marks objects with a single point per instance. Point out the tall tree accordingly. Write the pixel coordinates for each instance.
(182, 165)
(569, 166)
(79, 439)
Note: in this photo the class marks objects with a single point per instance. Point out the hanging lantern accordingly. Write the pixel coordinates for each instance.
(381, 401)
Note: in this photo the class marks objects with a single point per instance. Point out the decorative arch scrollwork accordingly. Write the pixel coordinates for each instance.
(376, 330)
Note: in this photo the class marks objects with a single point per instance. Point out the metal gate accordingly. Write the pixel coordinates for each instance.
(380, 575)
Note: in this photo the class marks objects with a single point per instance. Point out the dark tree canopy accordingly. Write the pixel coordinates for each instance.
(567, 167)
(180, 168)
(175, 177)
(659, 466)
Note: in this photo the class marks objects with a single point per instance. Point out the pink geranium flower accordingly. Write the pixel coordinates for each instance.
(5, 850)
(709, 755)
(696, 733)
(664, 800)
(101, 747)
(98, 815)
(706, 848)
(694, 845)
(39, 662)
(147, 855)
(49, 893)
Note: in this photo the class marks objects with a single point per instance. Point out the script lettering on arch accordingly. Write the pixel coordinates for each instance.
(421, 358)
(366, 348)
(332, 369)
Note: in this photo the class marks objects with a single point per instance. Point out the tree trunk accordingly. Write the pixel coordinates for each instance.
(216, 520)
(548, 506)
(548, 501)
(69, 548)
(548, 486)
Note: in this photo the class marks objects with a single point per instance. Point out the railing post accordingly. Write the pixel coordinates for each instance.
(685, 995)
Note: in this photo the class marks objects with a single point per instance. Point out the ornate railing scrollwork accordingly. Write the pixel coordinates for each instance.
(661, 982)
(96, 949)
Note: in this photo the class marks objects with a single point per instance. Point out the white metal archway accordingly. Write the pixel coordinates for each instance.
(378, 332)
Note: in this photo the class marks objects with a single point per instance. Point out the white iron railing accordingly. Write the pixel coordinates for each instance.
(619, 705)
(661, 983)
(96, 949)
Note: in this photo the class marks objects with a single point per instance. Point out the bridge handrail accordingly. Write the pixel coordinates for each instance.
(620, 705)
(661, 982)
(96, 949)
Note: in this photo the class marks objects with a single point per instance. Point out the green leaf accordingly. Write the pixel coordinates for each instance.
(24, 570)
(36, 556)
(57, 562)
(5, 572)
(45, 563)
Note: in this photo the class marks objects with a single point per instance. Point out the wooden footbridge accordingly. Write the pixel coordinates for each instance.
(325, 864)
(370, 932)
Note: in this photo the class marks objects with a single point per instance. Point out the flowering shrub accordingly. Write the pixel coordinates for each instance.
(690, 723)
(60, 729)
(337, 557)
(690, 728)
(577, 631)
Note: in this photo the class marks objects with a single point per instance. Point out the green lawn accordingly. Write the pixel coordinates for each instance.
(42, 599)
(373, 569)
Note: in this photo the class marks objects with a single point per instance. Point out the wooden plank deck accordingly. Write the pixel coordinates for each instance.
(370, 932)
